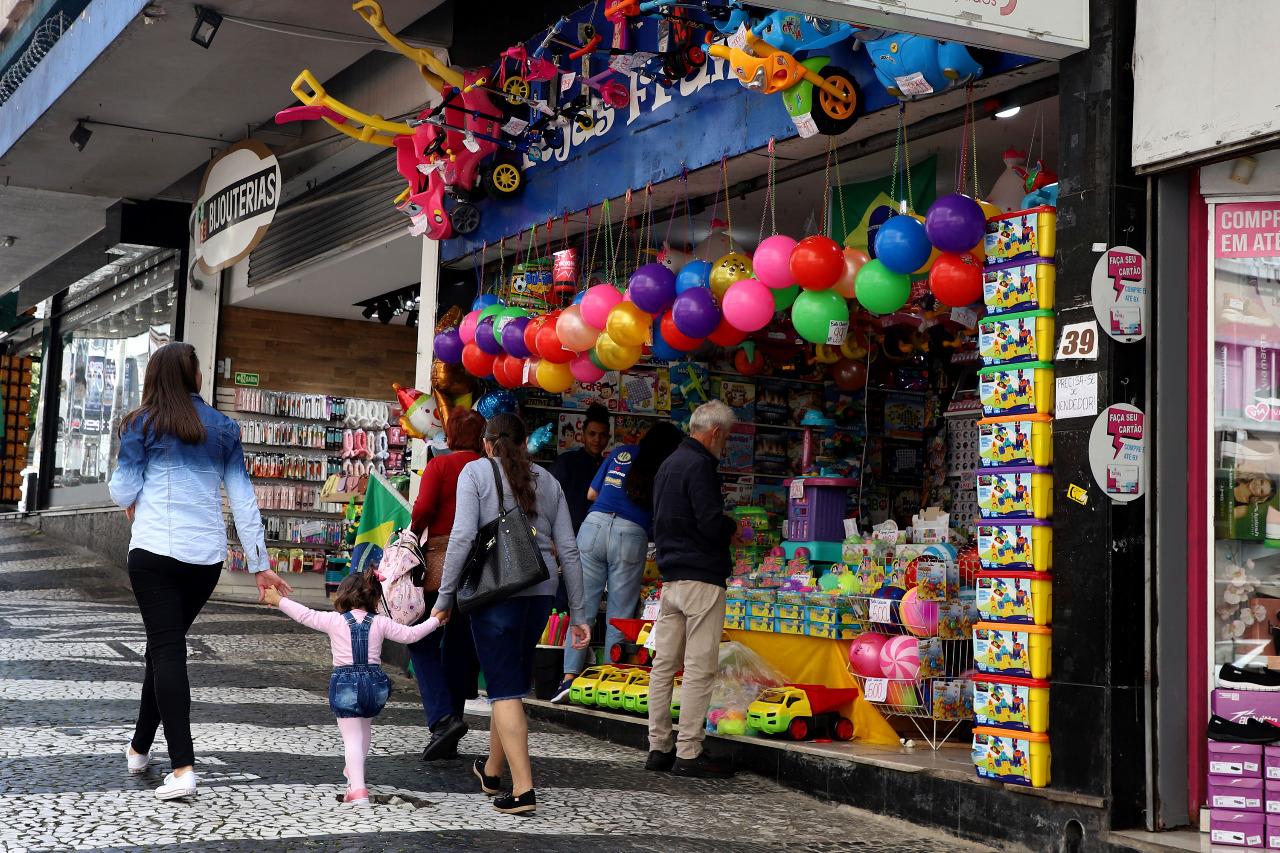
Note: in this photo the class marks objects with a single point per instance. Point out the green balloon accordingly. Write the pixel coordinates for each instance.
(783, 297)
(814, 313)
(595, 359)
(880, 290)
(505, 316)
(492, 311)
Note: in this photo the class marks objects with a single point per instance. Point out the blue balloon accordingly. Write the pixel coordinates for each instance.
(693, 274)
(496, 403)
(902, 244)
(484, 301)
(878, 217)
(540, 438)
(662, 350)
(577, 300)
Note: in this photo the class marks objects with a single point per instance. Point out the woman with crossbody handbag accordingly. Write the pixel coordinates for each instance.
(510, 513)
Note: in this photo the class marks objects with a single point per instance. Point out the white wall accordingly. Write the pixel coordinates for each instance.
(201, 321)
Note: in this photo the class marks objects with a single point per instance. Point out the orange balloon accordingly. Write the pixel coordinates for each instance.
(853, 261)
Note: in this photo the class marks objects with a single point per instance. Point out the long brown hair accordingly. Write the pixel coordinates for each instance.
(658, 443)
(172, 377)
(358, 591)
(506, 435)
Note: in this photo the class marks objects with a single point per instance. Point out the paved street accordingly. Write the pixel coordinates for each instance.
(270, 757)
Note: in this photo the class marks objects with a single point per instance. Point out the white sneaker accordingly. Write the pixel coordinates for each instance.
(137, 763)
(175, 788)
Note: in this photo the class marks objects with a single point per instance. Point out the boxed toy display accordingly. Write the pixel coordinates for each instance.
(1022, 285)
(1020, 758)
(1016, 440)
(1016, 338)
(1023, 389)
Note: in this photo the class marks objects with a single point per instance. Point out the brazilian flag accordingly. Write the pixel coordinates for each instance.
(854, 206)
(385, 511)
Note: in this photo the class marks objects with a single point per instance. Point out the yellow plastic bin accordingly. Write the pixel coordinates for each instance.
(1016, 389)
(1019, 758)
(1016, 440)
(1015, 492)
(1011, 703)
(1020, 544)
(1021, 651)
(1015, 338)
(1023, 234)
(1015, 597)
(1025, 285)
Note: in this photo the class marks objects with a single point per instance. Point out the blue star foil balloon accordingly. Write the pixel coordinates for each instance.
(540, 438)
(496, 403)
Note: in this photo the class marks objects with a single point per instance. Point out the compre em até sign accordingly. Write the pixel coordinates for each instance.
(238, 200)
(1248, 230)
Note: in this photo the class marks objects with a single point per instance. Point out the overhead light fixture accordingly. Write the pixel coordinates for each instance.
(411, 319)
(385, 314)
(8, 241)
(1241, 171)
(80, 136)
(368, 312)
(207, 23)
(1008, 113)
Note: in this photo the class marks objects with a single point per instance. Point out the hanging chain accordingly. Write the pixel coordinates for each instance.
(906, 160)
(826, 185)
(973, 144)
(502, 263)
(962, 169)
(688, 211)
(728, 207)
(769, 209)
(897, 157)
(844, 222)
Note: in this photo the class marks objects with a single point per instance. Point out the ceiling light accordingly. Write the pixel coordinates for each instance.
(207, 23)
(1008, 113)
(384, 315)
(80, 136)
(411, 319)
(8, 241)
(113, 330)
(368, 312)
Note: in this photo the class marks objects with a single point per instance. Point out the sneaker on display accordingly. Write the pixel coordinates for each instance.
(1251, 731)
(1235, 677)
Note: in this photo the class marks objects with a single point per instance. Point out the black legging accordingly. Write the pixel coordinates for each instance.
(170, 594)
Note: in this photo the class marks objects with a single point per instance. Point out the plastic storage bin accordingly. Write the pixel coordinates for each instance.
(1016, 338)
(1026, 285)
(1012, 492)
(1030, 233)
(1022, 651)
(1011, 703)
(819, 515)
(1022, 598)
(1021, 544)
(817, 552)
(1019, 758)
(1016, 440)
(1016, 389)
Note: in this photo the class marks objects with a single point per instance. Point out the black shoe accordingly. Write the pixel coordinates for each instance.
(1234, 677)
(660, 761)
(508, 803)
(444, 738)
(1254, 731)
(491, 785)
(705, 767)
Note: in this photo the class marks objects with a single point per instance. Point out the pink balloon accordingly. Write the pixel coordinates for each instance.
(864, 654)
(853, 261)
(467, 328)
(748, 305)
(584, 369)
(900, 657)
(575, 334)
(597, 302)
(772, 261)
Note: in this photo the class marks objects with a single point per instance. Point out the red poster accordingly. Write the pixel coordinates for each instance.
(1247, 230)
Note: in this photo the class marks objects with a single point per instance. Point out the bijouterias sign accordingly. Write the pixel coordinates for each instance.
(238, 200)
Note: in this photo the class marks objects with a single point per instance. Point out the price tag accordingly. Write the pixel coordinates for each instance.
(966, 317)
(797, 490)
(876, 689)
(567, 81)
(913, 84)
(630, 61)
(837, 331)
(850, 528)
(651, 609)
(651, 642)
(1079, 340)
(880, 610)
(515, 127)
(805, 125)
(310, 528)
(738, 41)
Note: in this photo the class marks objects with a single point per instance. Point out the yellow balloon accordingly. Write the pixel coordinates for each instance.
(554, 377)
(989, 210)
(613, 355)
(933, 255)
(627, 325)
(734, 266)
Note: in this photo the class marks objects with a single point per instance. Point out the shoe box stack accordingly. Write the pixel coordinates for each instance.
(15, 390)
(1244, 759)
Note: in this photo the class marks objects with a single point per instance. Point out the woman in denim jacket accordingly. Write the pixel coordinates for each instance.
(176, 454)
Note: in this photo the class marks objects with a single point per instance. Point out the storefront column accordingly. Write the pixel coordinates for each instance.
(428, 293)
(1099, 624)
(200, 325)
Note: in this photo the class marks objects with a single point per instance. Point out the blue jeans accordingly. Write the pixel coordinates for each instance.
(358, 690)
(613, 551)
(506, 634)
(444, 663)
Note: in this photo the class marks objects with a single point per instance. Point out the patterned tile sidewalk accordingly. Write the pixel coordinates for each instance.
(270, 757)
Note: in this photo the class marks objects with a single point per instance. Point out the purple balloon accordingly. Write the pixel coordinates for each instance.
(653, 288)
(513, 337)
(695, 312)
(485, 338)
(955, 223)
(448, 346)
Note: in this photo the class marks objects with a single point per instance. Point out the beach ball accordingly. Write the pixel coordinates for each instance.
(553, 376)
(476, 361)
(894, 594)
(584, 369)
(597, 302)
(772, 261)
(467, 328)
(726, 335)
(748, 305)
(696, 313)
(900, 658)
(549, 344)
(672, 336)
(955, 223)
(864, 654)
(854, 260)
(881, 290)
(653, 288)
(902, 244)
(733, 267)
(904, 696)
(447, 346)
(512, 337)
(693, 274)
(919, 617)
(628, 324)
(574, 332)
(784, 297)
(821, 317)
(613, 355)
(485, 300)
(817, 262)
(956, 280)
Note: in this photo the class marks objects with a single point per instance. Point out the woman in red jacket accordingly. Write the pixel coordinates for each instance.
(444, 662)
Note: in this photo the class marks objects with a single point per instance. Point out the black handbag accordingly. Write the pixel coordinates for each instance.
(504, 558)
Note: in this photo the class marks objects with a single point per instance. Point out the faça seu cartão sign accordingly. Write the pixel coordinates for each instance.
(238, 200)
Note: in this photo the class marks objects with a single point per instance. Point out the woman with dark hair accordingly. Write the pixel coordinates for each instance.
(444, 662)
(507, 631)
(176, 454)
(614, 539)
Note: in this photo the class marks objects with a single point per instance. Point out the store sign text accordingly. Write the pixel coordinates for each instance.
(1248, 230)
(238, 200)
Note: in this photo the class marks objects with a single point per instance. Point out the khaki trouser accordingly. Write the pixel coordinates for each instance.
(689, 627)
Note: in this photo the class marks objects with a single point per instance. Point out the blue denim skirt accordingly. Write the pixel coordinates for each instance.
(358, 690)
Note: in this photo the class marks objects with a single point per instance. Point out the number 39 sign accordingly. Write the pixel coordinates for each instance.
(1079, 341)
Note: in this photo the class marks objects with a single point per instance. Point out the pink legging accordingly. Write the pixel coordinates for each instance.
(355, 739)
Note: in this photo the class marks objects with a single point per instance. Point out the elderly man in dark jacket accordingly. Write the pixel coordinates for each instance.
(693, 535)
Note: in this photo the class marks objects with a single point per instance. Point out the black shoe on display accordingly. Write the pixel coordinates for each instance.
(491, 785)
(444, 738)
(1235, 677)
(1254, 731)
(660, 761)
(705, 767)
(508, 803)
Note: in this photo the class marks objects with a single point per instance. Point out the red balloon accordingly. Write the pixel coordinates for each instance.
(726, 335)
(549, 346)
(674, 337)
(817, 262)
(849, 374)
(477, 362)
(531, 333)
(956, 280)
(505, 374)
(749, 366)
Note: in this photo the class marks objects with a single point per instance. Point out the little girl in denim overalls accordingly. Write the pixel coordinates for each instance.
(358, 688)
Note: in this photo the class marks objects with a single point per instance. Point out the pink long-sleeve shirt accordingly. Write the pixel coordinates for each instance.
(339, 632)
